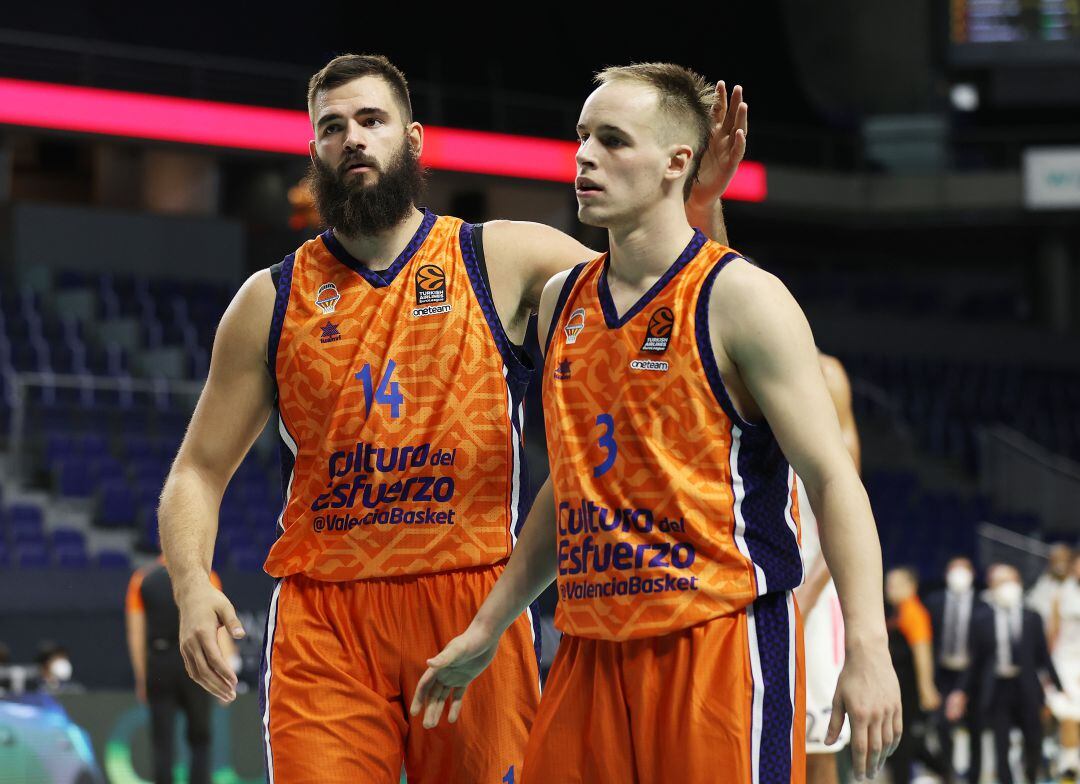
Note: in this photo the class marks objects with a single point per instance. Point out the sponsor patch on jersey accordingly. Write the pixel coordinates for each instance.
(330, 333)
(649, 364)
(562, 370)
(658, 334)
(327, 298)
(574, 325)
(430, 285)
(431, 310)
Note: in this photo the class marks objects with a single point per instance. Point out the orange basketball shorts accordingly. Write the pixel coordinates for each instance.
(719, 702)
(340, 666)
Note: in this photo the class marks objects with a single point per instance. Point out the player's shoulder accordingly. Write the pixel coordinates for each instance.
(744, 292)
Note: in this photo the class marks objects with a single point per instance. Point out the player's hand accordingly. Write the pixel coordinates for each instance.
(955, 706)
(727, 145)
(450, 672)
(203, 610)
(869, 695)
(929, 698)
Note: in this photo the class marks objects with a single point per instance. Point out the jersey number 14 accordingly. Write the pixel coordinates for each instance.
(387, 392)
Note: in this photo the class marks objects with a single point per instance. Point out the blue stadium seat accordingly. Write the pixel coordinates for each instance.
(71, 558)
(113, 559)
(31, 556)
(116, 506)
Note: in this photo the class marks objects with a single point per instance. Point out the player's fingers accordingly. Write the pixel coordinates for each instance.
(216, 660)
(836, 721)
(898, 730)
(455, 705)
(875, 753)
(720, 103)
(742, 115)
(435, 707)
(732, 117)
(860, 745)
(203, 674)
(227, 616)
(423, 688)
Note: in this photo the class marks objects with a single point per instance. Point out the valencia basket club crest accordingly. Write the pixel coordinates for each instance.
(659, 333)
(327, 298)
(574, 325)
(430, 285)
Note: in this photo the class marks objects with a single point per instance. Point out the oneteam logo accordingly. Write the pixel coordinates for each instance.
(574, 325)
(327, 298)
(562, 370)
(658, 334)
(430, 285)
(649, 364)
(330, 333)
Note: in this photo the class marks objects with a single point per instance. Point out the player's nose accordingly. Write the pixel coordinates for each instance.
(584, 157)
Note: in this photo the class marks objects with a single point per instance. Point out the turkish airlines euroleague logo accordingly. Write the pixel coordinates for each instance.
(659, 333)
(430, 285)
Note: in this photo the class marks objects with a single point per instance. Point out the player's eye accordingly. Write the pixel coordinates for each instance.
(612, 141)
(331, 128)
(372, 122)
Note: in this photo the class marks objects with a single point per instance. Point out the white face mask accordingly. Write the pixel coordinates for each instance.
(1008, 594)
(60, 669)
(959, 579)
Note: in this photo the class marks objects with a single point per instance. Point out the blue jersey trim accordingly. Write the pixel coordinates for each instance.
(560, 303)
(380, 278)
(607, 304)
(281, 305)
(514, 357)
(708, 358)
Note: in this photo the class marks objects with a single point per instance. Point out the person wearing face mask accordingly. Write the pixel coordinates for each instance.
(56, 669)
(1010, 663)
(1044, 592)
(1064, 632)
(951, 613)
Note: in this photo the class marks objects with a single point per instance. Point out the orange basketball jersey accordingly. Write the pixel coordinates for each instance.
(399, 401)
(671, 509)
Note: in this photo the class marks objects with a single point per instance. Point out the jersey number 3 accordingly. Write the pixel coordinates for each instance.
(606, 442)
(387, 393)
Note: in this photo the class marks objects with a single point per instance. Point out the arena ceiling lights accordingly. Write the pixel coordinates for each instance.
(236, 126)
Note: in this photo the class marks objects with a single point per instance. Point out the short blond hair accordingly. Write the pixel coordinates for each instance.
(685, 99)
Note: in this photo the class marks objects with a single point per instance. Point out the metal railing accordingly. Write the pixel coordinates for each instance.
(1021, 476)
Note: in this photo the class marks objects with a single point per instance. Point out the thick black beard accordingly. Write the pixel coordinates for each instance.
(357, 210)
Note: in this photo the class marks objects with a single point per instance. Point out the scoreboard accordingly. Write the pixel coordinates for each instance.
(990, 32)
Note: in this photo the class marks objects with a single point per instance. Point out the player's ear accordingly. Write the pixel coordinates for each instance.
(415, 132)
(311, 151)
(679, 160)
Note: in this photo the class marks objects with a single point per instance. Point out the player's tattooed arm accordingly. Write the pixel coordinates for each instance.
(765, 351)
(530, 570)
(232, 409)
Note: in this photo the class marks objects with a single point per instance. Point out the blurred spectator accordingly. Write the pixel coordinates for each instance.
(54, 662)
(910, 639)
(1009, 657)
(1042, 594)
(153, 632)
(1064, 633)
(913, 621)
(951, 613)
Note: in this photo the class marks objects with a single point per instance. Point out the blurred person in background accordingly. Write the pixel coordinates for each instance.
(951, 612)
(1045, 590)
(54, 662)
(913, 659)
(153, 633)
(1010, 671)
(823, 626)
(1064, 634)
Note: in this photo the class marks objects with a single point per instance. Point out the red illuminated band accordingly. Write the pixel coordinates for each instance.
(189, 121)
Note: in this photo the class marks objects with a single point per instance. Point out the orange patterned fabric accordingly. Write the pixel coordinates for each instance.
(399, 401)
(671, 509)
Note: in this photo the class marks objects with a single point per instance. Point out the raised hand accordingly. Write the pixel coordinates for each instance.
(727, 145)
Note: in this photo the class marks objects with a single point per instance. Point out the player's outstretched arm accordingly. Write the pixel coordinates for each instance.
(757, 327)
(232, 409)
(531, 569)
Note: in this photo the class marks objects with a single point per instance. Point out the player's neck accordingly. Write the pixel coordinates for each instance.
(378, 251)
(646, 249)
